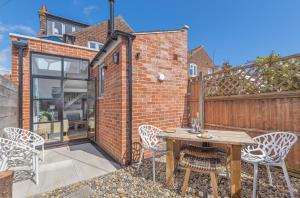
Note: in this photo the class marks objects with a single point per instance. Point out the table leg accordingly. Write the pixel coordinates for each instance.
(235, 171)
(173, 149)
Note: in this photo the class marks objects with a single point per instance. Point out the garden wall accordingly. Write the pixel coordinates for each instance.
(8, 103)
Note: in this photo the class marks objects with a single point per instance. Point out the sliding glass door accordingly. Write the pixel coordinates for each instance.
(59, 97)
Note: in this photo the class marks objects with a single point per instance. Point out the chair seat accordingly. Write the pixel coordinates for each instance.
(205, 152)
(201, 164)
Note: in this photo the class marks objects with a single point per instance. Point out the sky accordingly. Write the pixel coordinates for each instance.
(234, 31)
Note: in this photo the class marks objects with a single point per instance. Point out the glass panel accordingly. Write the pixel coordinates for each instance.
(46, 88)
(58, 28)
(46, 65)
(46, 110)
(75, 109)
(51, 132)
(91, 109)
(75, 68)
(49, 27)
(68, 28)
(101, 81)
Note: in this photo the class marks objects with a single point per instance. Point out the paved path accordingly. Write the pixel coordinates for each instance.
(64, 166)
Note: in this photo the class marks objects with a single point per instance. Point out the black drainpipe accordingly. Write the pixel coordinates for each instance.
(21, 45)
(130, 37)
(111, 25)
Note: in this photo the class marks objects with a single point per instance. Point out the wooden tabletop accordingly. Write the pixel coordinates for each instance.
(219, 136)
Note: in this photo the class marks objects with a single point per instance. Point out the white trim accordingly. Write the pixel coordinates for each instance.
(98, 44)
(194, 67)
(157, 32)
(48, 41)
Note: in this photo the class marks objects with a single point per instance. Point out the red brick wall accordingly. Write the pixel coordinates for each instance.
(43, 47)
(162, 104)
(111, 107)
(200, 57)
(99, 32)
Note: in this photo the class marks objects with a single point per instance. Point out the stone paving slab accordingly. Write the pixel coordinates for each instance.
(64, 166)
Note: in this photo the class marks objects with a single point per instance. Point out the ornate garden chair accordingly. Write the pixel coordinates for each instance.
(26, 137)
(14, 154)
(148, 135)
(271, 150)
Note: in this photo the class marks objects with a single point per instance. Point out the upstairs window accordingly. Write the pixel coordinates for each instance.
(193, 70)
(95, 45)
(209, 70)
(58, 28)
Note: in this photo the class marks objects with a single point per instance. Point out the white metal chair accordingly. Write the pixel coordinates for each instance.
(273, 149)
(14, 154)
(25, 137)
(148, 134)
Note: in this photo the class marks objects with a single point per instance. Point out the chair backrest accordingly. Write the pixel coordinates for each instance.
(148, 135)
(12, 149)
(23, 136)
(277, 144)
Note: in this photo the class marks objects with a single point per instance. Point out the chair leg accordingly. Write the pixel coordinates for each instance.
(214, 184)
(37, 170)
(43, 150)
(141, 158)
(269, 175)
(255, 180)
(186, 181)
(287, 179)
(153, 165)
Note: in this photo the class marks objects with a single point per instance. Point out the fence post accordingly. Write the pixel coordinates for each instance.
(201, 98)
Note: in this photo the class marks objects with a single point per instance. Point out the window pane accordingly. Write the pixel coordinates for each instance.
(49, 131)
(68, 28)
(46, 110)
(57, 28)
(46, 88)
(209, 70)
(93, 45)
(75, 68)
(49, 28)
(46, 65)
(101, 81)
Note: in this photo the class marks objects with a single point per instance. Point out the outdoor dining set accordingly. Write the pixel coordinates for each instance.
(215, 152)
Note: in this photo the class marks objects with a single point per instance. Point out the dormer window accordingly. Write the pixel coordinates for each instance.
(193, 70)
(58, 28)
(95, 45)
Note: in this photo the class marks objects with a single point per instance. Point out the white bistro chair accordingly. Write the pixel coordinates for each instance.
(271, 150)
(148, 134)
(15, 154)
(26, 137)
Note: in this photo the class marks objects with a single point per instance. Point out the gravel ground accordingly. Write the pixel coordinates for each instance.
(127, 182)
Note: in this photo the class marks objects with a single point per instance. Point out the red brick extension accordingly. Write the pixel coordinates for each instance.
(162, 104)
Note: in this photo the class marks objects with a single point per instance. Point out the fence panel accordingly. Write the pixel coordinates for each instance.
(257, 99)
(8, 103)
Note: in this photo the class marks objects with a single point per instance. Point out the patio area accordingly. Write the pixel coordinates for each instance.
(63, 166)
(128, 182)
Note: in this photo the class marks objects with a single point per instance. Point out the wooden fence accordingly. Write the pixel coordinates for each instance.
(8, 103)
(256, 112)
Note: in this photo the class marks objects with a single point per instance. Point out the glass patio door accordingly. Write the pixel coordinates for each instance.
(91, 111)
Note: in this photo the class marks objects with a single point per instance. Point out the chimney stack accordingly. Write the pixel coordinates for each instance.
(111, 25)
(43, 21)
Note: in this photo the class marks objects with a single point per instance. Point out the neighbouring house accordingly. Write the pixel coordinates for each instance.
(199, 61)
(71, 89)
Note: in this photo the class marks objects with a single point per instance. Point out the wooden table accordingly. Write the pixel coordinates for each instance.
(235, 140)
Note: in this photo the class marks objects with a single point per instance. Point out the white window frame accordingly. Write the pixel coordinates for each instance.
(98, 44)
(193, 67)
(210, 70)
(62, 28)
(101, 83)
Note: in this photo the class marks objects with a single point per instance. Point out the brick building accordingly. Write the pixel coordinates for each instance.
(71, 91)
(199, 61)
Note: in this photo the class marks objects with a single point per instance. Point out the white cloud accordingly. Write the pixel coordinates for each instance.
(89, 9)
(5, 55)
(16, 28)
